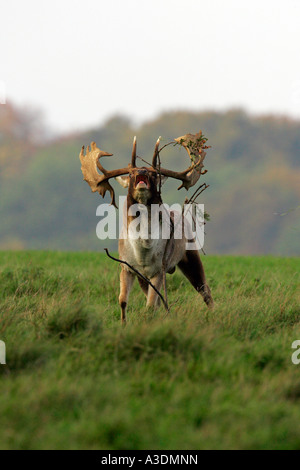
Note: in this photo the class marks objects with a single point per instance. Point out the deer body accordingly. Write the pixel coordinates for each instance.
(154, 257)
(146, 254)
(150, 253)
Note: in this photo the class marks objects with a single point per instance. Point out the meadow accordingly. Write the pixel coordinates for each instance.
(191, 379)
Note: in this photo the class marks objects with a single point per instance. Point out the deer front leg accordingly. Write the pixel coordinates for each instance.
(152, 299)
(126, 281)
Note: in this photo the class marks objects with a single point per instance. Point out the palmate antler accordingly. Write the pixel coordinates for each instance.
(194, 145)
(89, 164)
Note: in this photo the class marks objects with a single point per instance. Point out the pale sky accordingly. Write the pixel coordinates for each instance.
(84, 61)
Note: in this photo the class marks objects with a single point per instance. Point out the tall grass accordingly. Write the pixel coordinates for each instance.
(193, 379)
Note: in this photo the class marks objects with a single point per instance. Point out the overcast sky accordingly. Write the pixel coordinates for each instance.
(83, 61)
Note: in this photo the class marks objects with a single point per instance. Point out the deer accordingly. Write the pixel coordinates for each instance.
(152, 257)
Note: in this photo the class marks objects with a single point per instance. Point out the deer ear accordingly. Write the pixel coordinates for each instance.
(123, 181)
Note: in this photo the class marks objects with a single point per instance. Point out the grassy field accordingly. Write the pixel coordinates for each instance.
(191, 380)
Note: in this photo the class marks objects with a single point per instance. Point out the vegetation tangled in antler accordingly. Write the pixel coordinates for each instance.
(194, 145)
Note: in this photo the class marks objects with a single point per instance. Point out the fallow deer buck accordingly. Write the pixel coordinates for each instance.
(152, 257)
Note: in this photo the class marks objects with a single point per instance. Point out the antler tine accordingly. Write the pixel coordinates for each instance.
(155, 154)
(133, 157)
(97, 182)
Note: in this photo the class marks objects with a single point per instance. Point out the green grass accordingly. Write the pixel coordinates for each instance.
(194, 379)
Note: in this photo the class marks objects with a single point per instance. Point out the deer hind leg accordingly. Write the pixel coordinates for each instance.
(192, 268)
(153, 298)
(126, 282)
(144, 286)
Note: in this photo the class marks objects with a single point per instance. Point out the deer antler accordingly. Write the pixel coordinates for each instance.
(156, 152)
(89, 164)
(133, 155)
(194, 145)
